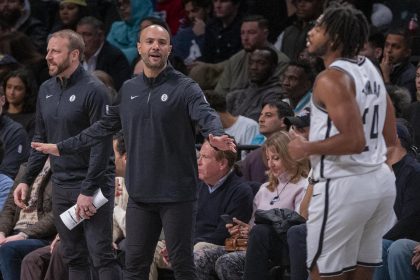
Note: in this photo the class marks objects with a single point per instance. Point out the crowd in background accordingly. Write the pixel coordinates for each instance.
(250, 59)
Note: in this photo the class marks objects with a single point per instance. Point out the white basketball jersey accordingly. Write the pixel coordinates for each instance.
(371, 99)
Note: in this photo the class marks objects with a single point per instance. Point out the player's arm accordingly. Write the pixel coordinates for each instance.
(335, 92)
(390, 129)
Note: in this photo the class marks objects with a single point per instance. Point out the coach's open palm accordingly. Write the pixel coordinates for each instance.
(46, 148)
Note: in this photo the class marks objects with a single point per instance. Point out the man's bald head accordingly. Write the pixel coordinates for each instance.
(156, 26)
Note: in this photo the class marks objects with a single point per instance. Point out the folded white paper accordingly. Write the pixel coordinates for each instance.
(69, 216)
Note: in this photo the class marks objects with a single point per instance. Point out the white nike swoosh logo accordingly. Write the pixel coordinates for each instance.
(48, 96)
(132, 97)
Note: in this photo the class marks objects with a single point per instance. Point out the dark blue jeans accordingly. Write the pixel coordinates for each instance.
(296, 239)
(12, 254)
(144, 222)
(265, 250)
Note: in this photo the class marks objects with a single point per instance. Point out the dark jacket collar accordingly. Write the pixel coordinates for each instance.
(162, 77)
(75, 76)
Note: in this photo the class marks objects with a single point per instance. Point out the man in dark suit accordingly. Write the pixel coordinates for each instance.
(99, 54)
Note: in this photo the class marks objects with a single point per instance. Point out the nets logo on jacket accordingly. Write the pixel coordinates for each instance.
(164, 97)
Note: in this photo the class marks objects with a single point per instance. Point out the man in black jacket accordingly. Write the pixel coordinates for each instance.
(68, 103)
(157, 112)
(101, 55)
(406, 207)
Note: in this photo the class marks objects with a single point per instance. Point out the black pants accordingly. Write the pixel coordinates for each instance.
(144, 222)
(296, 238)
(92, 237)
(265, 250)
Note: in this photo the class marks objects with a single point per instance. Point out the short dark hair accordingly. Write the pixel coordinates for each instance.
(347, 27)
(283, 109)
(376, 38)
(216, 100)
(199, 3)
(262, 21)
(403, 32)
(405, 134)
(119, 137)
(306, 67)
(92, 21)
(273, 57)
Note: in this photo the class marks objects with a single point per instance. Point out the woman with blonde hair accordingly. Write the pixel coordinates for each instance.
(284, 189)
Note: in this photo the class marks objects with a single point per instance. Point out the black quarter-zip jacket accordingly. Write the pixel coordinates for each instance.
(158, 118)
(64, 109)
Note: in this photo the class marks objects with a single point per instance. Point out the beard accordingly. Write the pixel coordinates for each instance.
(319, 51)
(59, 68)
(154, 65)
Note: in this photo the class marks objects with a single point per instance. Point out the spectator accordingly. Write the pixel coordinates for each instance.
(271, 120)
(220, 191)
(22, 231)
(123, 34)
(188, 42)
(374, 47)
(100, 54)
(315, 62)
(254, 34)
(276, 13)
(104, 10)
(297, 82)
(17, 15)
(121, 195)
(395, 65)
(222, 35)
(412, 114)
(20, 92)
(171, 11)
(7, 63)
(243, 129)
(284, 189)
(418, 82)
(263, 84)
(20, 46)
(108, 82)
(16, 151)
(406, 207)
(293, 39)
(69, 13)
(401, 99)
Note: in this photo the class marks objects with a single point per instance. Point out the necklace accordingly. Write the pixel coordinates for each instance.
(277, 197)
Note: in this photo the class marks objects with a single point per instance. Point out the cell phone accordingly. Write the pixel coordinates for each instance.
(227, 218)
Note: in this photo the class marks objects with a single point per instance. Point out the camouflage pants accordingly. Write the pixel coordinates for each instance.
(216, 263)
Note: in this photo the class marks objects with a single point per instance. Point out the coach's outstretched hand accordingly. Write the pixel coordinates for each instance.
(223, 142)
(46, 148)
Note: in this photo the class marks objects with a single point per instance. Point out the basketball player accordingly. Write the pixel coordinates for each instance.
(352, 123)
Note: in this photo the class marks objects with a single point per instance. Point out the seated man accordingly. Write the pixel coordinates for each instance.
(22, 231)
(263, 84)
(241, 128)
(221, 191)
(407, 210)
(16, 151)
(270, 121)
